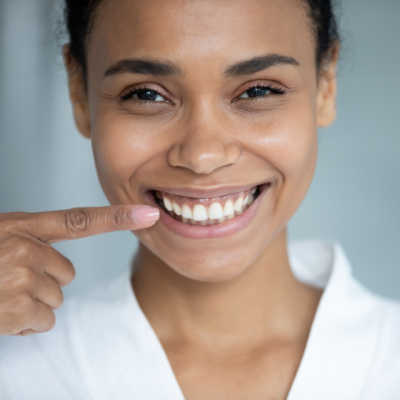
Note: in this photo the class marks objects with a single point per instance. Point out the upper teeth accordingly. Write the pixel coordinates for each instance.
(217, 210)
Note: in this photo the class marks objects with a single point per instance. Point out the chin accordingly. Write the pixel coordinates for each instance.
(207, 272)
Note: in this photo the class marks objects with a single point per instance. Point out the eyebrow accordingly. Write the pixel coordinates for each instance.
(165, 68)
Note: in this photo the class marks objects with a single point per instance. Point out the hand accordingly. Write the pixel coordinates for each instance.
(32, 272)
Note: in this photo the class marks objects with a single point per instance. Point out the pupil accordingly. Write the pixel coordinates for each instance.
(142, 93)
(258, 90)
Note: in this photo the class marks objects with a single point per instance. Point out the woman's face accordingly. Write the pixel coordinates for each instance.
(202, 127)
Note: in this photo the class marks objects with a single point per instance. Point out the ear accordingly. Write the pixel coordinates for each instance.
(77, 92)
(326, 97)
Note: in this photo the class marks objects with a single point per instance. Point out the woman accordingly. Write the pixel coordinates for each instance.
(208, 112)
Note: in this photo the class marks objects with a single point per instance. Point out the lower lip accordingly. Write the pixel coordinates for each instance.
(226, 228)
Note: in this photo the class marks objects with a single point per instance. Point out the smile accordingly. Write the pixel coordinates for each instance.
(208, 217)
(206, 211)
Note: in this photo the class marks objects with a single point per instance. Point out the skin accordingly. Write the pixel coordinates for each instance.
(32, 271)
(234, 297)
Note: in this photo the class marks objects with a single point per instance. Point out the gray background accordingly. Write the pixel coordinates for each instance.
(46, 165)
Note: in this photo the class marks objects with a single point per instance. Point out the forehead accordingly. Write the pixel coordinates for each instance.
(187, 31)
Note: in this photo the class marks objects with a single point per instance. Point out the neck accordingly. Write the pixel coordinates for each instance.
(263, 303)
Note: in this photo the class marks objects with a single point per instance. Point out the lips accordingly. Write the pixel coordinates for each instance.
(205, 211)
(212, 229)
(203, 193)
(178, 220)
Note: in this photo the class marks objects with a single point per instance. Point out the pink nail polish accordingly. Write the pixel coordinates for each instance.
(144, 215)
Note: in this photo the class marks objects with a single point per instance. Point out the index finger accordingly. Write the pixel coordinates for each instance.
(80, 222)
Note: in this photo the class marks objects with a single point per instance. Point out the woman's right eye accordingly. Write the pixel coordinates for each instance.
(143, 95)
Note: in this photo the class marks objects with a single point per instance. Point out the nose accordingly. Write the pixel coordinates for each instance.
(205, 146)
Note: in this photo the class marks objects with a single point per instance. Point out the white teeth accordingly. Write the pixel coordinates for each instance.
(177, 208)
(228, 209)
(186, 212)
(253, 190)
(200, 213)
(215, 211)
(238, 206)
(167, 203)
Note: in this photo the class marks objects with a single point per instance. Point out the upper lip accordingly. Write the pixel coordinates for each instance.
(207, 192)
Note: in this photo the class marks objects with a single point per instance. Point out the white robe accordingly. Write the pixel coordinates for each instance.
(103, 347)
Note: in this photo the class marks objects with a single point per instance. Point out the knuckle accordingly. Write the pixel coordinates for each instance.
(22, 248)
(6, 223)
(25, 277)
(77, 220)
(120, 216)
(11, 220)
(22, 304)
(8, 248)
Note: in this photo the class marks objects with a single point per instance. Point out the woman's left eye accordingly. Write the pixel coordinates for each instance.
(257, 91)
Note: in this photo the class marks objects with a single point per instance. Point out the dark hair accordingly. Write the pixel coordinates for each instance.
(80, 14)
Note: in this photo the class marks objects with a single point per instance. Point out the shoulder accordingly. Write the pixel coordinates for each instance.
(385, 312)
(389, 346)
(383, 379)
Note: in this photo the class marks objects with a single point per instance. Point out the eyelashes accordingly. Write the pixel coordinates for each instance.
(253, 93)
(141, 92)
(254, 90)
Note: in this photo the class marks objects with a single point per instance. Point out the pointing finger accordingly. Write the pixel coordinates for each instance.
(76, 223)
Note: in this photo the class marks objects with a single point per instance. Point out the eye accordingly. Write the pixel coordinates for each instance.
(147, 95)
(258, 91)
(143, 95)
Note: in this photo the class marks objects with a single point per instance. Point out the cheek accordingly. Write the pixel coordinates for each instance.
(288, 141)
(120, 146)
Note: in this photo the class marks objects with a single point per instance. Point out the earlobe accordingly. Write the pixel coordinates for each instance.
(77, 92)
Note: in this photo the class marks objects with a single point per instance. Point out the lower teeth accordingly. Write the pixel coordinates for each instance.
(207, 222)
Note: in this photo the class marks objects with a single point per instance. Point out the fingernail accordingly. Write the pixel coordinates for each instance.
(145, 215)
